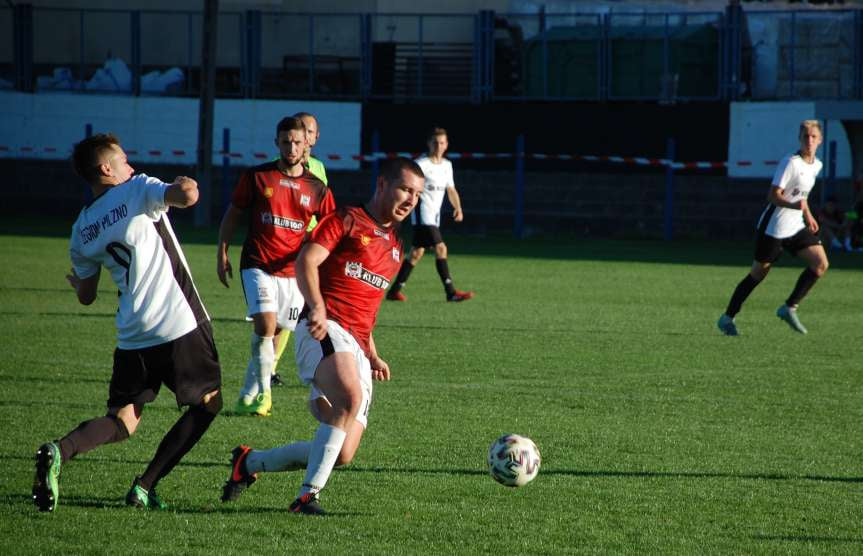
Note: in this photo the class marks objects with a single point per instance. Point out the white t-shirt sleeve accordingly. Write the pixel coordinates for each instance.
(784, 173)
(449, 176)
(150, 193)
(83, 267)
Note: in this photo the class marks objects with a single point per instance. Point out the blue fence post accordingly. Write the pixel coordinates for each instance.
(376, 164)
(831, 169)
(226, 168)
(669, 189)
(518, 201)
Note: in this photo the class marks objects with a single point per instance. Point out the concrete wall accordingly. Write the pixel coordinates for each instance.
(763, 132)
(49, 124)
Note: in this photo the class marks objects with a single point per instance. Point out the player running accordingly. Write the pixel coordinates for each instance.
(343, 272)
(786, 224)
(276, 201)
(163, 330)
(426, 219)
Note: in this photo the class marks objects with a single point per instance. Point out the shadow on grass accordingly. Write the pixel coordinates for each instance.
(805, 538)
(622, 474)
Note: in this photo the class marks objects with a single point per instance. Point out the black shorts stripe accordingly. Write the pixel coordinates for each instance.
(327, 346)
(765, 218)
(181, 274)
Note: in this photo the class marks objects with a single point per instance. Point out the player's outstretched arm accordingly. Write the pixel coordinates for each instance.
(182, 193)
(455, 201)
(380, 368)
(226, 232)
(85, 288)
(308, 280)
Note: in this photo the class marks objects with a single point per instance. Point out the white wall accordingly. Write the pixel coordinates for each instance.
(51, 123)
(764, 132)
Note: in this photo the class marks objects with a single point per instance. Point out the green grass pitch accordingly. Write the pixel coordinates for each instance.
(657, 433)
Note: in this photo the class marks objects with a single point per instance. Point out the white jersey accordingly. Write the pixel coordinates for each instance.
(438, 178)
(126, 229)
(796, 178)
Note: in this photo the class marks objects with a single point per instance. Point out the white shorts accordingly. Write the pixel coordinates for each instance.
(310, 352)
(272, 294)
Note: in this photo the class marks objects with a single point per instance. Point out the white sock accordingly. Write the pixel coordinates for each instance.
(324, 451)
(284, 458)
(250, 386)
(263, 359)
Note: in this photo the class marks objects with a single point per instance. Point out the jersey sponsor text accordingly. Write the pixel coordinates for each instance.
(356, 270)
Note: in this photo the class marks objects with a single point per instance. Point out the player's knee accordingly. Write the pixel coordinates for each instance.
(212, 402)
(122, 432)
(820, 268)
(440, 250)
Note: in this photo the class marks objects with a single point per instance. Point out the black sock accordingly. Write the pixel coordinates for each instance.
(741, 292)
(801, 288)
(404, 274)
(185, 433)
(90, 434)
(443, 272)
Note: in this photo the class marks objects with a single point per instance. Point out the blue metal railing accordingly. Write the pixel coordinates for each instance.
(478, 58)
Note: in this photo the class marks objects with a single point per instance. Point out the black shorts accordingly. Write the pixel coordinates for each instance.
(426, 236)
(189, 366)
(768, 248)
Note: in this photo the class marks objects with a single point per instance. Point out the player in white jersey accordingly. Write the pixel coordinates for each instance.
(163, 330)
(786, 224)
(426, 219)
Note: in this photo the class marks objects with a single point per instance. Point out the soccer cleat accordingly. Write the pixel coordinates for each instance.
(460, 296)
(46, 486)
(277, 380)
(239, 479)
(726, 325)
(262, 406)
(139, 497)
(396, 295)
(307, 504)
(789, 315)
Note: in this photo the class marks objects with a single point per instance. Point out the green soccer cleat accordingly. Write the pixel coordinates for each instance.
(726, 325)
(46, 485)
(239, 479)
(789, 315)
(139, 497)
(262, 406)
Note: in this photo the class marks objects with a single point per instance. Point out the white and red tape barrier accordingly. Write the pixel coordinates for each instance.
(27, 151)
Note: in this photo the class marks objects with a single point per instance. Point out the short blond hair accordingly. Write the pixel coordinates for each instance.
(806, 125)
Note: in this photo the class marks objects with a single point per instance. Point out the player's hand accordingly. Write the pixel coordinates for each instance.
(380, 368)
(224, 269)
(317, 323)
(73, 279)
(457, 215)
(813, 225)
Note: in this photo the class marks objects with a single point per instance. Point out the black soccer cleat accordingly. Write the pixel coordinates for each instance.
(307, 504)
(239, 479)
(277, 380)
(46, 485)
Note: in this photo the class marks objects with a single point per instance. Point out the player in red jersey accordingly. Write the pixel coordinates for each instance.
(343, 272)
(276, 200)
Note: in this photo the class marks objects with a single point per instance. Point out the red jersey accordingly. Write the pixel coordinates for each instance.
(364, 257)
(280, 208)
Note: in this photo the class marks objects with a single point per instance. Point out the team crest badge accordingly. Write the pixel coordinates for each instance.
(353, 270)
(305, 200)
(396, 255)
(365, 240)
(268, 192)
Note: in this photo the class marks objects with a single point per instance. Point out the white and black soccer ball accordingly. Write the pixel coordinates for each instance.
(513, 460)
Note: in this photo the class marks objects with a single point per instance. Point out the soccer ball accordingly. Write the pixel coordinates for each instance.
(513, 460)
